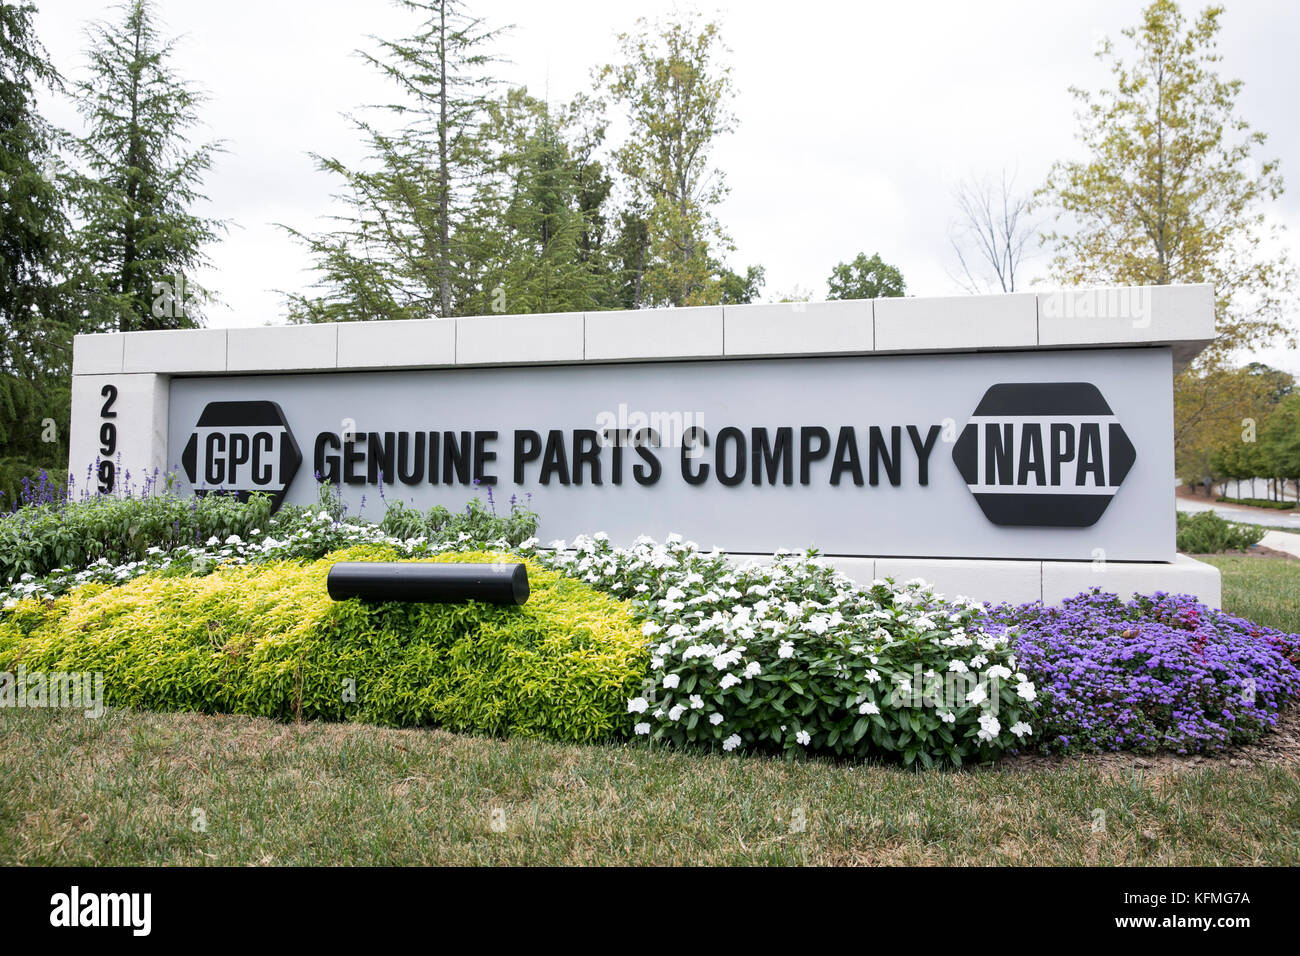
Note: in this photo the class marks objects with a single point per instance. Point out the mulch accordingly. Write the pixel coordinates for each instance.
(1279, 746)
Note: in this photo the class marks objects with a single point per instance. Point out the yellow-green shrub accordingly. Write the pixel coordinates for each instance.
(267, 640)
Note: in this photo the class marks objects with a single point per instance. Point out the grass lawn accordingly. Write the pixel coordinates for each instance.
(188, 789)
(1266, 590)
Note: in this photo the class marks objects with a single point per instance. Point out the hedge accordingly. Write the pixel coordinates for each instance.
(267, 640)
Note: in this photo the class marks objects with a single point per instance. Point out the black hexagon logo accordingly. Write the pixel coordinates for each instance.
(1043, 454)
(238, 448)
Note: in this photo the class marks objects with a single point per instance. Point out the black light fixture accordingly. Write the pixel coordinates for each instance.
(428, 582)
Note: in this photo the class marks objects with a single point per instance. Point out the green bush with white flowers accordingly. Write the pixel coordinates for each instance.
(790, 656)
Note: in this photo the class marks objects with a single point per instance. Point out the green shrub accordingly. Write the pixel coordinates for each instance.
(1207, 533)
(267, 640)
(1261, 503)
(36, 539)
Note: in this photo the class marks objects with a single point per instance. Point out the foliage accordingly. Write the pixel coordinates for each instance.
(267, 640)
(676, 92)
(111, 539)
(397, 252)
(1158, 672)
(1220, 416)
(791, 656)
(537, 240)
(1207, 533)
(36, 317)
(865, 278)
(37, 539)
(140, 238)
(1169, 191)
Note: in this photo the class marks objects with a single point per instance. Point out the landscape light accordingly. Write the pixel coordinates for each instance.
(428, 582)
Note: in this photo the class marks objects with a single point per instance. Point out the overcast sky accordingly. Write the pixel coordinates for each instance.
(855, 119)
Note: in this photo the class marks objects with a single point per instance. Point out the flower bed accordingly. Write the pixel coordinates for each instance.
(783, 655)
(1159, 672)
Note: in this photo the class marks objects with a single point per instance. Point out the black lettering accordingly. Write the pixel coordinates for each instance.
(768, 457)
(648, 470)
(214, 472)
(923, 450)
(353, 456)
(555, 460)
(808, 454)
(327, 466)
(380, 454)
(482, 457)
(730, 436)
(892, 460)
(528, 447)
(586, 452)
(694, 440)
(846, 457)
(456, 457)
(410, 461)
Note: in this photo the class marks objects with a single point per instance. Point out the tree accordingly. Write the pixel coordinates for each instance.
(36, 324)
(140, 238)
(992, 233)
(865, 278)
(1218, 409)
(676, 93)
(396, 254)
(1167, 193)
(538, 242)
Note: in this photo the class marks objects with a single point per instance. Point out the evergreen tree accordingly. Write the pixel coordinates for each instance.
(395, 254)
(36, 325)
(140, 239)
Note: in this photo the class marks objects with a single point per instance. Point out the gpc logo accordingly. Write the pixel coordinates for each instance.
(241, 447)
(1043, 454)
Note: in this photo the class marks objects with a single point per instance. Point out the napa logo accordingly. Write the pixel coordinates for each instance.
(241, 447)
(1043, 454)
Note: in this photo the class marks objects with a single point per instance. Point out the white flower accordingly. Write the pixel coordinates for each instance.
(868, 708)
(650, 627)
(958, 667)
(732, 742)
(753, 669)
(715, 719)
(696, 701)
(1021, 729)
(803, 737)
(998, 672)
(786, 650)
(672, 680)
(1026, 691)
(728, 680)
(947, 716)
(989, 727)
(676, 712)
(637, 705)
(978, 695)
(872, 676)
(641, 729)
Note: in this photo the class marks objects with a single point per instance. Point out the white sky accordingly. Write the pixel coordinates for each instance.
(856, 119)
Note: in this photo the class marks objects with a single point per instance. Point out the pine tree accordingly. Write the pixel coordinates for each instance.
(140, 237)
(36, 325)
(395, 254)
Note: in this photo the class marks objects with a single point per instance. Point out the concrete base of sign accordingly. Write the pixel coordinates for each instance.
(1048, 581)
